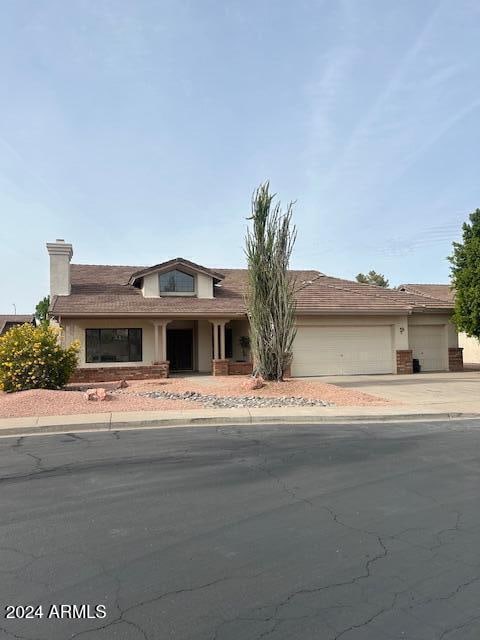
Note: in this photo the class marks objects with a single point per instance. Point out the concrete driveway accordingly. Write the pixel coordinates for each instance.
(451, 392)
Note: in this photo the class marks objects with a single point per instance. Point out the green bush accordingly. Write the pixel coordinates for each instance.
(33, 358)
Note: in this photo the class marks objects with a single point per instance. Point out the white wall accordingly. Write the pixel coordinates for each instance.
(471, 348)
(451, 336)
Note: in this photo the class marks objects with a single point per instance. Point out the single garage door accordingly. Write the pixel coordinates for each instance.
(428, 345)
(342, 350)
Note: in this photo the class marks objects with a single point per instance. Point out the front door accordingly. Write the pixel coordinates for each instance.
(180, 349)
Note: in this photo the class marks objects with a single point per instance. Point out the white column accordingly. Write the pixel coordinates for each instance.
(215, 341)
(164, 339)
(222, 339)
(157, 346)
(160, 335)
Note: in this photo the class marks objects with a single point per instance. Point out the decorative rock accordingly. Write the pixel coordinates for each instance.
(233, 402)
(254, 383)
(102, 394)
(97, 395)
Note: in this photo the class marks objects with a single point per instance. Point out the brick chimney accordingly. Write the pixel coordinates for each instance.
(60, 255)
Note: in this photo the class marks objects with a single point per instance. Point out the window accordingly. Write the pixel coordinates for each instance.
(176, 282)
(113, 345)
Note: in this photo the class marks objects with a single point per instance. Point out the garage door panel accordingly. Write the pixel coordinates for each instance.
(342, 350)
(428, 344)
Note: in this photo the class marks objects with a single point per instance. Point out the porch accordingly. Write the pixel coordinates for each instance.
(112, 349)
(202, 346)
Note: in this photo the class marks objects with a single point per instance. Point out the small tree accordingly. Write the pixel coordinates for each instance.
(33, 358)
(41, 310)
(465, 272)
(270, 298)
(372, 277)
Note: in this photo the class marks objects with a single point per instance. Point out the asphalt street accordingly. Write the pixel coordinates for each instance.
(243, 533)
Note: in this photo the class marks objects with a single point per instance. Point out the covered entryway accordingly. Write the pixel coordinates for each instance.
(180, 349)
(428, 344)
(347, 350)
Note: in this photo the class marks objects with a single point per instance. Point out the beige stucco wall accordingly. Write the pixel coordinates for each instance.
(239, 328)
(204, 346)
(151, 286)
(451, 336)
(59, 274)
(203, 285)
(471, 348)
(75, 330)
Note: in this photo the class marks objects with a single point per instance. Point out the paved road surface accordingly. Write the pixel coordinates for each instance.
(309, 532)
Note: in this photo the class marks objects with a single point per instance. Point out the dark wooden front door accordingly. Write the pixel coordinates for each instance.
(180, 349)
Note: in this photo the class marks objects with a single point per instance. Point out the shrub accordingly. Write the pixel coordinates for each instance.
(33, 358)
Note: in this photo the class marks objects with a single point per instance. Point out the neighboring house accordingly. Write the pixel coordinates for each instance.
(470, 345)
(9, 321)
(180, 316)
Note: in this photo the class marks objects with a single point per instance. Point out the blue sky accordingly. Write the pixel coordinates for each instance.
(138, 131)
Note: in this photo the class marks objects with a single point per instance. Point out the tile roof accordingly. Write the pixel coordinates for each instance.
(13, 319)
(439, 291)
(104, 290)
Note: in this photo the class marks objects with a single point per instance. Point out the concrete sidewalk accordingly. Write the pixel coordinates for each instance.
(164, 419)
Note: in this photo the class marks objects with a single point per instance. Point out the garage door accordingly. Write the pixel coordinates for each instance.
(342, 351)
(428, 345)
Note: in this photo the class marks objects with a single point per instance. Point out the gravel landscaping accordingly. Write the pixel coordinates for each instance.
(180, 394)
(233, 402)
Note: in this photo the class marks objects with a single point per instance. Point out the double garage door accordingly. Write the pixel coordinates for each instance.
(342, 350)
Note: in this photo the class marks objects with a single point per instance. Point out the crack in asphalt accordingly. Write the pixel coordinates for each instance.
(259, 461)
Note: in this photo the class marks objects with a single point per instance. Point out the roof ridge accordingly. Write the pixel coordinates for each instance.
(358, 293)
(417, 292)
(308, 283)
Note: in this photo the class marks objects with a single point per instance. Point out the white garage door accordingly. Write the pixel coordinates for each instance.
(428, 345)
(342, 350)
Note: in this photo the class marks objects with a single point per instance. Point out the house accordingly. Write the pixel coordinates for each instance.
(9, 321)
(470, 345)
(135, 321)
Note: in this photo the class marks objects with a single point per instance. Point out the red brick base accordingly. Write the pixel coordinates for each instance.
(111, 374)
(404, 361)
(240, 368)
(220, 367)
(455, 359)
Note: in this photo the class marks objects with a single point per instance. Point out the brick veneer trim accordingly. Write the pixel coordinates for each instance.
(455, 359)
(220, 367)
(404, 361)
(240, 368)
(111, 374)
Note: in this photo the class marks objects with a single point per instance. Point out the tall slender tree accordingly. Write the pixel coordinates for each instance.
(270, 297)
(465, 271)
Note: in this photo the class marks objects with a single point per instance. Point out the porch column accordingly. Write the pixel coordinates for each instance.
(160, 335)
(164, 340)
(215, 340)
(222, 339)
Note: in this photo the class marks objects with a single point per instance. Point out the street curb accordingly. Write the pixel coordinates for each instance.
(210, 421)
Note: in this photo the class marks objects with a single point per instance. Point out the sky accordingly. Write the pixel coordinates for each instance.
(138, 132)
